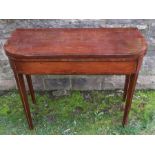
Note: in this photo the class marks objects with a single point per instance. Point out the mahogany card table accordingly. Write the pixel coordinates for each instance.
(76, 51)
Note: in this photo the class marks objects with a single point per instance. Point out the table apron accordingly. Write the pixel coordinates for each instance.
(76, 68)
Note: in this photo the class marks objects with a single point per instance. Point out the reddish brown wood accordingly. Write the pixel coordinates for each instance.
(76, 43)
(127, 80)
(21, 87)
(132, 84)
(76, 67)
(29, 82)
(130, 92)
(76, 51)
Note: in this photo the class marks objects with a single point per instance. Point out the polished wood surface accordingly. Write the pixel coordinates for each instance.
(63, 51)
(71, 43)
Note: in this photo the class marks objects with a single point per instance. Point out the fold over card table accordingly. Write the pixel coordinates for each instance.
(76, 51)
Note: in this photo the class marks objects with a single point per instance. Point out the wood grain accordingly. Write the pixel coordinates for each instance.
(76, 43)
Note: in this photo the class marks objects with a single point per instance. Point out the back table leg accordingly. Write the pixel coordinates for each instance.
(127, 79)
(29, 81)
(131, 88)
(22, 90)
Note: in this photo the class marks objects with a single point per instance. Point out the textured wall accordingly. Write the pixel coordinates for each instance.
(146, 79)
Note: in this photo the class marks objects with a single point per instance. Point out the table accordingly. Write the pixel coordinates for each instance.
(76, 51)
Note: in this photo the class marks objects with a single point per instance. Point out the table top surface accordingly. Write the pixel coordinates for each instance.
(76, 42)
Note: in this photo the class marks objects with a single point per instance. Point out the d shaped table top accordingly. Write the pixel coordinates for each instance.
(76, 43)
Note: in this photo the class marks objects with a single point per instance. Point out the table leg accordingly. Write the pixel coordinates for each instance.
(132, 85)
(127, 79)
(22, 90)
(29, 81)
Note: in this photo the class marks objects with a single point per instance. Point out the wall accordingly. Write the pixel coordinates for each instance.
(146, 79)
